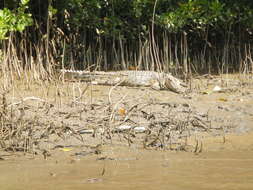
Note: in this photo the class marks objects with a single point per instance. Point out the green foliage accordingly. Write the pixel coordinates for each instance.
(14, 20)
(51, 11)
(194, 14)
(83, 13)
(110, 18)
(128, 24)
(132, 19)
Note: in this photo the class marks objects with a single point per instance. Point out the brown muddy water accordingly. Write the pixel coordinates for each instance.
(228, 165)
(225, 162)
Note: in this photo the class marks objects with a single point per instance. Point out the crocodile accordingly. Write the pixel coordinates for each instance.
(132, 78)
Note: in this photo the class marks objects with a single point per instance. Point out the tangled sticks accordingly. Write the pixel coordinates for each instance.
(35, 125)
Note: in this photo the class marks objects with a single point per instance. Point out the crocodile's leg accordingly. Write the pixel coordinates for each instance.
(156, 85)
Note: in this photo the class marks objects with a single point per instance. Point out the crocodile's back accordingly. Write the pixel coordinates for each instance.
(139, 78)
(133, 78)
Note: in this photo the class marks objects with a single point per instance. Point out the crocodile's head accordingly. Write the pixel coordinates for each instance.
(173, 84)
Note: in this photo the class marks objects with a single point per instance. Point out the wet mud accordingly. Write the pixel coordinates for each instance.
(200, 140)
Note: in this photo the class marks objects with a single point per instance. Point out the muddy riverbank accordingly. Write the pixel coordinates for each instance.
(76, 136)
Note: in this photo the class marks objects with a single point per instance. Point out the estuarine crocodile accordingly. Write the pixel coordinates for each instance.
(155, 80)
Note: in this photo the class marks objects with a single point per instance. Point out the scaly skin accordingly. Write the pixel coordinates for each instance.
(155, 80)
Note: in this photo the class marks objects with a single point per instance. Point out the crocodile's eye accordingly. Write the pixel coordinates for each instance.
(117, 79)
